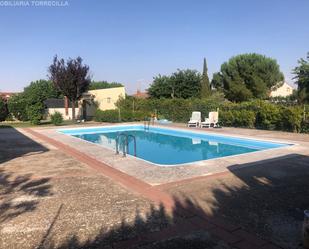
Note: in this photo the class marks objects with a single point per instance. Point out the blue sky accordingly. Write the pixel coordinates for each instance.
(130, 41)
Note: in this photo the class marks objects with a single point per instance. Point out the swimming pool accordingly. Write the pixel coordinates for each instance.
(170, 146)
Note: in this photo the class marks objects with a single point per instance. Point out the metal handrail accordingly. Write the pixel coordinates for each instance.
(117, 144)
(125, 144)
(134, 139)
(146, 124)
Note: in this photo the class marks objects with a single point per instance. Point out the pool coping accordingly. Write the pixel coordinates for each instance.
(156, 175)
(188, 164)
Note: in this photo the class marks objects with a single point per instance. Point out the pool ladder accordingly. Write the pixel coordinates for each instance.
(125, 143)
(147, 122)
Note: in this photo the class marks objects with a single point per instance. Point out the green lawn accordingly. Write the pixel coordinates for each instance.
(27, 124)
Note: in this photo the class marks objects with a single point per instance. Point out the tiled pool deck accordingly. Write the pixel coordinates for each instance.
(156, 175)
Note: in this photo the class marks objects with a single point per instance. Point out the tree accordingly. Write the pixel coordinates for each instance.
(71, 78)
(103, 85)
(161, 87)
(28, 105)
(205, 86)
(248, 76)
(302, 79)
(17, 106)
(181, 84)
(40, 90)
(3, 110)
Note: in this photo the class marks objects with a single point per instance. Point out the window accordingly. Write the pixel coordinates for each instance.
(108, 100)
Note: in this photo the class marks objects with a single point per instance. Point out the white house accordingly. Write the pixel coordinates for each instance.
(103, 99)
(282, 91)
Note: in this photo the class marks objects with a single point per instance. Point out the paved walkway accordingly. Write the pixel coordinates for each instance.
(191, 216)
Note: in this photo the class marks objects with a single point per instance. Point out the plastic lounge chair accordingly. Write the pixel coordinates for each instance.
(195, 119)
(212, 120)
(215, 119)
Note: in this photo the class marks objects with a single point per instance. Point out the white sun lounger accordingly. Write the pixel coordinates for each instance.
(195, 119)
(212, 120)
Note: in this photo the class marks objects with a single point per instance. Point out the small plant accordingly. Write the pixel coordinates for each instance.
(56, 118)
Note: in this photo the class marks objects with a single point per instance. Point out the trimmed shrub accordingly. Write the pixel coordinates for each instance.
(226, 118)
(305, 126)
(244, 118)
(113, 116)
(3, 110)
(56, 118)
(268, 116)
(237, 118)
(35, 113)
(258, 113)
(291, 119)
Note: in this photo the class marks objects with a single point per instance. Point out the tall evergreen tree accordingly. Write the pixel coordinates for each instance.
(302, 79)
(205, 86)
(248, 76)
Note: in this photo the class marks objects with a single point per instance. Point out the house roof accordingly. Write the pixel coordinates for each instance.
(141, 95)
(6, 95)
(56, 103)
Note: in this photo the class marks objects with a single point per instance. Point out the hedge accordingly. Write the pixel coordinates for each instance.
(253, 114)
(3, 110)
(114, 116)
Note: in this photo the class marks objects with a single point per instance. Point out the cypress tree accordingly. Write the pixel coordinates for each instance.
(205, 85)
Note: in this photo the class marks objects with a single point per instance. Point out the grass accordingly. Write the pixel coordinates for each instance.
(27, 124)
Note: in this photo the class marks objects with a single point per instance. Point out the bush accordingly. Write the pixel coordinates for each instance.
(112, 116)
(17, 105)
(35, 113)
(226, 118)
(244, 118)
(291, 119)
(305, 126)
(56, 118)
(268, 116)
(237, 118)
(177, 110)
(258, 113)
(3, 110)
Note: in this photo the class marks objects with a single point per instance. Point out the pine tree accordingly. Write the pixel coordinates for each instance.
(205, 85)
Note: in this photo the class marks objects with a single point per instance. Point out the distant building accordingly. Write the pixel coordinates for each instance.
(61, 105)
(6, 95)
(107, 98)
(282, 91)
(104, 99)
(141, 95)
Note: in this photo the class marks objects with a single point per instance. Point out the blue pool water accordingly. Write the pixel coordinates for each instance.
(172, 146)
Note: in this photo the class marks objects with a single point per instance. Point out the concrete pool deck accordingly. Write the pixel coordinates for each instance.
(48, 195)
(157, 175)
